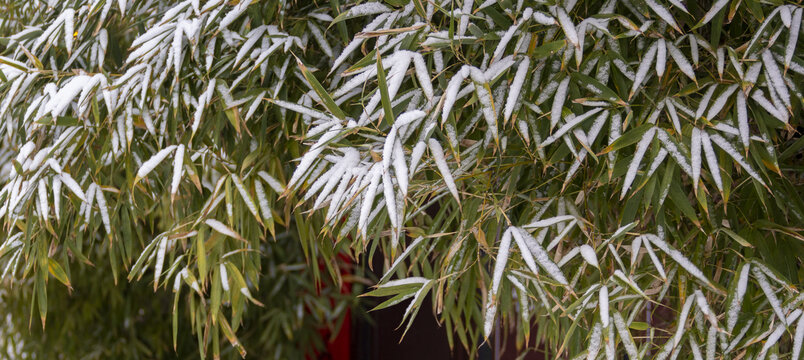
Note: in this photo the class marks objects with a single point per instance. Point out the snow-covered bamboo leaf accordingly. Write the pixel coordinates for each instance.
(223, 229)
(438, 156)
(153, 162)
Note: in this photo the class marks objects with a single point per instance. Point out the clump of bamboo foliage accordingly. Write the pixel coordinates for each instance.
(580, 165)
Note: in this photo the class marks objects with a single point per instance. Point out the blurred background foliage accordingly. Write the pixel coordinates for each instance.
(99, 319)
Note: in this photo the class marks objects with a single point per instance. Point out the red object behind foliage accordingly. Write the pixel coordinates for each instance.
(341, 345)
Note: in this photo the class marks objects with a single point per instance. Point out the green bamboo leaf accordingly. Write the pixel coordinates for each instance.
(679, 199)
(398, 298)
(547, 50)
(230, 335)
(57, 271)
(41, 296)
(382, 84)
(739, 239)
(216, 293)
(370, 8)
(597, 86)
(629, 138)
(322, 93)
(175, 315)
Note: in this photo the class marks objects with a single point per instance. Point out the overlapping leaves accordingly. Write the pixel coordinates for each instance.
(595, 113)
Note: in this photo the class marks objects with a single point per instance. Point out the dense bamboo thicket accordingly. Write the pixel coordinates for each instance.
(625, 174)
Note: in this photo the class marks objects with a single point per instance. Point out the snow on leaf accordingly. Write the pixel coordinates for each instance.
(682, 319)
(759, 97)
(542, 258)
(498, 52)
(798, 338)
(543, 19)
(603, 304)
(160, 261)
(499, 267)
(663, 13)
(682, 62)
(703, 305)
(626, 280)
(704, 103)
(223, 229)
(438, 156)
(521, 243)
(489, 114)
(321, 39)
(502, 259)
(562, 234)
(178, 166)
(696, 349)
(400, 167)
(775, 77)
(224, 277)
(356, 42)
(610, 349)
(733, 311)
(639, 153)
(272, 182)
(549, 221)
(588, 254)
(567, 26)
(86, 207)
(369, 8)
(729, 149)
(569, 126)
(595, 342)
(451, 93)
(742, 119)
(671, 109)
(558, 102)
(57, 197)
(151, 163)
(233, 14)
(711, 160)
(516, 88)
(711, 343)
(716, 7)
(44, 209)
(774, 336)
(423, 75)
(695, 156)
(680, 259)
(673, 150)
(661, 57)
(565, 258)
(644, 68)
(656, 262)
(69, 28)
(792, 40)
(401, 257)
(625, 336)
(312, 155)
(246, 196)
(390, 202)
(104, 210)
(368, 199)
(720, 102)
(72, 185)
(265, 208)
(770, 294)
(416, 155)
